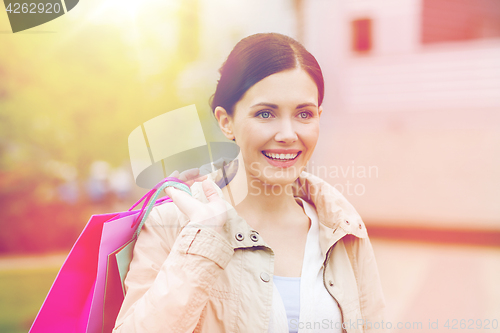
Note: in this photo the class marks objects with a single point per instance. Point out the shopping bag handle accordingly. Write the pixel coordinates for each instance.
(153, 190)
(148, 195)
(180, 186)
(151, 199)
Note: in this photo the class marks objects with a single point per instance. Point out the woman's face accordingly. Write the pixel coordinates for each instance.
(276, 126)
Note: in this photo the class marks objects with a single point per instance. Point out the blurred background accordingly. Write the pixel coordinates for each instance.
(410, 133)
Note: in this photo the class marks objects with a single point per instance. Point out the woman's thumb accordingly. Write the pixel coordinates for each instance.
(209, 190)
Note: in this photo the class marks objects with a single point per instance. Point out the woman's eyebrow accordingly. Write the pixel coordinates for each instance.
(303, 105)
(274, 106)
(269, 105)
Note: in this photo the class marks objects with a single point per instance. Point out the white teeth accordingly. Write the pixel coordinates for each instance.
(281, 156)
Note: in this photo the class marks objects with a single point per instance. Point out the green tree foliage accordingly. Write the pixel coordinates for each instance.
(73, 96)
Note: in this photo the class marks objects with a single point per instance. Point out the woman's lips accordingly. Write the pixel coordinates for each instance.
(281, 164)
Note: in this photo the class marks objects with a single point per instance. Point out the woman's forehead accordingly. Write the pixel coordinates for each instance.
(291, 88)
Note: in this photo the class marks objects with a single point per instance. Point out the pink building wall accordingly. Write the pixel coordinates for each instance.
(426, 115)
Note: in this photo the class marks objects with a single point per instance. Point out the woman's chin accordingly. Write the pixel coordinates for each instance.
(272, 176)
(277, 181)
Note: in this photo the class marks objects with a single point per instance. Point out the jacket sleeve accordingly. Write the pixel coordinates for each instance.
(168, 282)
(371, 296)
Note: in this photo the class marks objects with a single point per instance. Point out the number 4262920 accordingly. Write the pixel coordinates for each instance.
(455, 324)
(33, 8)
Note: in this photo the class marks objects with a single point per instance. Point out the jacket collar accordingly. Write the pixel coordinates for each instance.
(337, 217)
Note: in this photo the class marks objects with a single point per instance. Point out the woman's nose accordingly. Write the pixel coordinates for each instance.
(286, 132)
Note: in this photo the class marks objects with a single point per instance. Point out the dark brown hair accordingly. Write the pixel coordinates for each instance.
(257, 57)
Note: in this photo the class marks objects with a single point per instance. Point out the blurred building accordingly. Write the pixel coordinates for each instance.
(412, 91)
(410, 132)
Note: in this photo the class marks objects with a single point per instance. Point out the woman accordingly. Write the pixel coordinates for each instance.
(262, 246)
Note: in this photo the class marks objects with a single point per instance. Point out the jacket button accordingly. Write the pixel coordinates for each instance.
(360, 227)
(347, 222)
(239, 236)
(330, 283)
(264, 277)
(254, 237)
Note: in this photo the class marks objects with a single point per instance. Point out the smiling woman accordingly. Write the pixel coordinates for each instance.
(275, 124)
(291, 254)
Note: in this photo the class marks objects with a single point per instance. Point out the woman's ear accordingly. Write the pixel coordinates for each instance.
(225, 122)
(320, 110)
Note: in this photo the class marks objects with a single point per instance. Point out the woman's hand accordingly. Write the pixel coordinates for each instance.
(211, 214)
(189, 176)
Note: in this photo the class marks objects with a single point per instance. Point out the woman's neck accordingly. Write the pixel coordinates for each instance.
(256, 201)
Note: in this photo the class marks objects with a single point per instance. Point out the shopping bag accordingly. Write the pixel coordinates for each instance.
(114, 290)
(117, 234)
(75, 302)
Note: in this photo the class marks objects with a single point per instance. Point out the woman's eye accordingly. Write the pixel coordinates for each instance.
(265, 114)
(305, 115)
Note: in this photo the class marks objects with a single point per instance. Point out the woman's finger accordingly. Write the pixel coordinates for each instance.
(181, 199)
(189, 174)
(210, 191)
(175, 174)
(211, 214)
(186, 174)
(219, 208)
(199, 179)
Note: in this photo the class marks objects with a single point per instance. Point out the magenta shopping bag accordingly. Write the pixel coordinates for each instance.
(75, 302)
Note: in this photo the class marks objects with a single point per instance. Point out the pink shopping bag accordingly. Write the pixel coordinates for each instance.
(76, 301)
(114, 290)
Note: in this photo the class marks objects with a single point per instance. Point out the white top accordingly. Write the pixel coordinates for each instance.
(318, 311)
(289, 288)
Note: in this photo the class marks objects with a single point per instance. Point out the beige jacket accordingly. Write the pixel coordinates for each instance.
(189, 278)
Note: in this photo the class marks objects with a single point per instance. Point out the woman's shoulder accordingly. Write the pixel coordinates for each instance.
(333, 209)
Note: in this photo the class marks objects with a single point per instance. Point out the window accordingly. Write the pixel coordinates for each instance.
(361, 35)
(456, 20)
